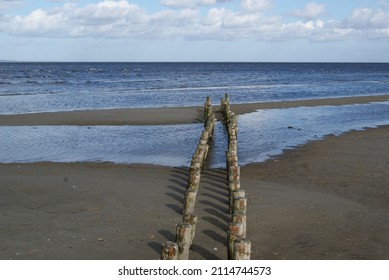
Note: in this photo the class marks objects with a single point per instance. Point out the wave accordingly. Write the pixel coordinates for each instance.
(229, 87)
(7, 94)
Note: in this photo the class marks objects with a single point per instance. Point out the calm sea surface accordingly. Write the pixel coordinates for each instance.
(46, 87)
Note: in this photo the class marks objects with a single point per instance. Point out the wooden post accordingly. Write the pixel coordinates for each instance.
(222, 105)
(191, 219)
(204, 135)
(234, 232)
(205, 153)
(203, 142)
(169, 251)
(242, 249)
(233, 145)
(183, 235)
(190, 201)
(241, 218)
(201, 151)
(235, 194)
(240, 205)
(207, 110)
(194, 180)
(233, 172)
(214, 120)
(195, 166)
(234, 185)
(231, 156)
(227, 98)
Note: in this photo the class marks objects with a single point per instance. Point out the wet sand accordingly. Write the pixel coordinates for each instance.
(328, 199)
(161, 116)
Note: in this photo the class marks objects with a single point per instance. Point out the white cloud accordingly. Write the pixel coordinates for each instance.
(190, 4)
(310, 11)
(367, 18)
(121, 19)
(10, 4)
(206, 2)
(256, 5)
(178, 3)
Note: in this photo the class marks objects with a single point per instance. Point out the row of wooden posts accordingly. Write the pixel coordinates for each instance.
(239, 247)
(185, 231)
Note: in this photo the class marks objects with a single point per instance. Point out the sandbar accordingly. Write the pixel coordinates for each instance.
(164, 116)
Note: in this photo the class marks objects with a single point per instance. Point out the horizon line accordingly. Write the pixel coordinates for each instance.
(188, 61)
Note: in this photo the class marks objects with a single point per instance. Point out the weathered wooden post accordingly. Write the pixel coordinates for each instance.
(169, 251)
(223, 105)
(204, 136)
(202, 151)
(240, 205)
(233, 171)
(205, 154)
(190, 200)
(233, 233)
(191, 219)
(183, 236)
(185, 232)
(233, 145)
(242, 249)
(194, 180)
(241, 218)
(195, 166)
(214, 120)
(235, 194)
(238, 247)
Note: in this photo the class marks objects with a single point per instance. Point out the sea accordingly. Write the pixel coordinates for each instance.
(264, 134)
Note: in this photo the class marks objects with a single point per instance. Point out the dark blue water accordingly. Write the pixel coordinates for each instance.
(42, 87)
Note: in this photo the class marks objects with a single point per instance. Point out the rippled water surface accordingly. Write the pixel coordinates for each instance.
(42, 87)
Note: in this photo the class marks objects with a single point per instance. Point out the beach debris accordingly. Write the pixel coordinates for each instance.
(292, 127)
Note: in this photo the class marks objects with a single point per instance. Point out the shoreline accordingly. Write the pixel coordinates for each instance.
(165, 116)
(328, 199)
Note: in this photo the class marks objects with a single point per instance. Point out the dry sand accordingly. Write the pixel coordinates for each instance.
(327, 199)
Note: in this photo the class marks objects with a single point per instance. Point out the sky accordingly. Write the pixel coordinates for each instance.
(195, 30)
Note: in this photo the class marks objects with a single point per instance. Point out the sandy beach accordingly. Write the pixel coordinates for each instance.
(328, 199)
(161, 116)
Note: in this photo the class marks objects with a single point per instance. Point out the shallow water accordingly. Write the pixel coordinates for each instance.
(266, 133)
(170, 145)
(262, 135)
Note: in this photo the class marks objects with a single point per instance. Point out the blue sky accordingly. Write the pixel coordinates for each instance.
(195, 30)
